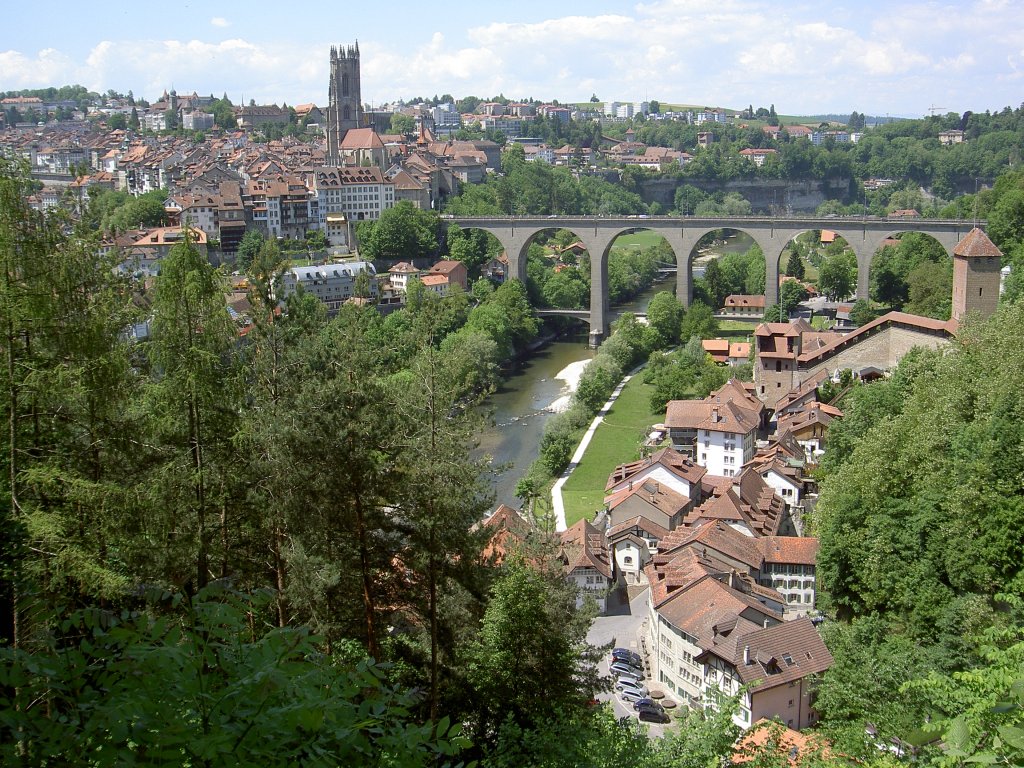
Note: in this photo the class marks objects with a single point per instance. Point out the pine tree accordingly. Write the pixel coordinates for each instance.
(192, 405)
(795, 265)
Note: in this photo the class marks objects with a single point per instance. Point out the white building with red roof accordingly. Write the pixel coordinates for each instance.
(586, 562)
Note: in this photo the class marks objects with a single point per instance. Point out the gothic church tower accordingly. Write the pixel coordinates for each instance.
(345, 106)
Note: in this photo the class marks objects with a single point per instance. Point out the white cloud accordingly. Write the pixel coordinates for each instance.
(220, 21)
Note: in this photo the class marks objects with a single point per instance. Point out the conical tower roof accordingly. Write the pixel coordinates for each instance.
(976, 245)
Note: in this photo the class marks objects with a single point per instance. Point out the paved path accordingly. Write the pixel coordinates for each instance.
(557, 505)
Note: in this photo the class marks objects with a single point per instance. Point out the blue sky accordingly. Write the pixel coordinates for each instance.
(805, 57)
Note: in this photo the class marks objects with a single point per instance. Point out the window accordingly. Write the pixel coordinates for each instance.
(628, 560)
(778, 366)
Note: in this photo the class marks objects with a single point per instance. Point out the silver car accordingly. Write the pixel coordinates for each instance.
(629, 684)
(618, 669)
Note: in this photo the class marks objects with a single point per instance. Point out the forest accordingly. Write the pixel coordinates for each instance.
(221, 549)
(260, 550)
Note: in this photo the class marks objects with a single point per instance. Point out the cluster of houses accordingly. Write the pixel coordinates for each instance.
(711, 523)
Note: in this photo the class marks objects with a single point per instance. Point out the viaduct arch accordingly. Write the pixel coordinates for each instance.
(597, 233)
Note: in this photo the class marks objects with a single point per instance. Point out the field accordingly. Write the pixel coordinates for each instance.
(645, 238)
(737, 330)
(616, 441)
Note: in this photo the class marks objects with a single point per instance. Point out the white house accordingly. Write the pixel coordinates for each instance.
(586, 562)
(333, 284)
(726, 439)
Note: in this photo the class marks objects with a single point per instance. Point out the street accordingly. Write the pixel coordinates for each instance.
(621, 627)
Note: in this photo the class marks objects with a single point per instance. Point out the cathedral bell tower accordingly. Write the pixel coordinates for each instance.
(345, 106)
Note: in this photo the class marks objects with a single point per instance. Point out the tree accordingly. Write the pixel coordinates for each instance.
(714, 284)
(532, 638)
(790, 295)
(361, 285)
(861, 313)
(133, 120)
(403, 124)
(192, 411)
(698, 322)
(402, 232)
(665, 315)
(261, 696)
(775, 314)
(931, 288)
(837, 276)
(65, 397)
(795, 265)
(117, 122)
(250, 245)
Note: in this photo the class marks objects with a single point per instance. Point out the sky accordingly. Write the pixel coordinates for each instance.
(874, 56)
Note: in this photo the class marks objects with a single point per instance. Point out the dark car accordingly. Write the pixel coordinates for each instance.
(628, 656)
(648, 703)
(654, 716)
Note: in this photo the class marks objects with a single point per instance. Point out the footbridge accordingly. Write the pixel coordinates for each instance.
(865, 236)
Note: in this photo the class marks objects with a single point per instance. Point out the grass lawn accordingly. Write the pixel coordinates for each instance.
(738, 330)
(645, 238)
(616, 441)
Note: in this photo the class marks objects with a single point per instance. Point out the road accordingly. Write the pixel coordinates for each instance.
(621, 627)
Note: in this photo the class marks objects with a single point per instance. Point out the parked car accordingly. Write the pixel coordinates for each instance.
(628, 683)
(628, 656)
(628, 694)
(654, 716)
(625, 670)
(640, 703)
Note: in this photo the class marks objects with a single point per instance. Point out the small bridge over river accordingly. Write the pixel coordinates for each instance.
(864, 235)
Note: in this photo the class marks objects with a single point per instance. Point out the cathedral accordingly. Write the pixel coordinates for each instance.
(345, 108)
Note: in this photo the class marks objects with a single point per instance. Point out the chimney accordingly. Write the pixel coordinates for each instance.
(746, 655)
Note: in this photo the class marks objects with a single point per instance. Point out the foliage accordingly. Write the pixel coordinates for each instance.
(204, 685)
(506, 317)
(861, 313)
(837, 276)
(698, 322)
(250, 245)
(919, 483)
(791, 293)
(532, 640)
(665, 315)
(795, 265)
(119, 211)
(402, 232)
(980, 711)
(687, 373)
(915, 254)
(865, 685)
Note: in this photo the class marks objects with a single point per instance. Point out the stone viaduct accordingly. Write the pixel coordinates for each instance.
(597, 233)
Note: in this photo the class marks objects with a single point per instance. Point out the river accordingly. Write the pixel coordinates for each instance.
(520, 406)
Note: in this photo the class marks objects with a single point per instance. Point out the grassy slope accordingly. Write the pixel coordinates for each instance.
(616, 441)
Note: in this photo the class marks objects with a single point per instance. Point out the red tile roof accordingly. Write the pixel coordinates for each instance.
(795, 550)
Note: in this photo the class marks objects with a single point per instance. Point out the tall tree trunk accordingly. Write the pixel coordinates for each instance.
(369, 607)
